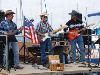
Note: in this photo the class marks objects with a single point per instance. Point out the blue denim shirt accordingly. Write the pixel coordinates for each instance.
(9, 26)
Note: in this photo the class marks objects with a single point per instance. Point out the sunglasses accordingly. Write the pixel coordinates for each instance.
(44, 16)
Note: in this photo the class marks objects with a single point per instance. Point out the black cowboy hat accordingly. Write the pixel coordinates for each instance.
(74, 13)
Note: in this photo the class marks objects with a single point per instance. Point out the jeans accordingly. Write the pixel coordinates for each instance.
(47, 44)
(78, 40)
(15, 48)
(63, 58)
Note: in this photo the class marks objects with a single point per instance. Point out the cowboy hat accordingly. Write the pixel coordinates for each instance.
(44, 14)
(73, 13)
(9, 12)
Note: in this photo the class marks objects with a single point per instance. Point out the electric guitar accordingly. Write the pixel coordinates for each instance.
(48, 35)
(72, 34)
(14, 32)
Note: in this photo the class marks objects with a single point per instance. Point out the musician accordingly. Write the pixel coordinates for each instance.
(7, 27)
(76, 24)
(42, 28)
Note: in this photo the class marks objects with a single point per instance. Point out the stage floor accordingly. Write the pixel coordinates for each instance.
(69, 69)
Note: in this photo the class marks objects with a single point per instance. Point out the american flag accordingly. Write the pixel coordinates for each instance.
(30, 31)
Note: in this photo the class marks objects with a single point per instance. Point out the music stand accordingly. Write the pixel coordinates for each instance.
(98, 42)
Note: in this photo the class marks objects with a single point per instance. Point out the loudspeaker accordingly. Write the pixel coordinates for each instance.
(2, 15)
(2, 46)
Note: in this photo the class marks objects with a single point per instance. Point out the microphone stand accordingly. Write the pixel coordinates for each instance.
(98, 42)
(88, 42)
(89, 52)
(24, 44)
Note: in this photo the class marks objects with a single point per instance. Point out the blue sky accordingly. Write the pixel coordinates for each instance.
(57, 9)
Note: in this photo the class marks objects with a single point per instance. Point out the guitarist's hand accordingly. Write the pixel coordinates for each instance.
(43, 35)
(7, 33)
(21, 28)
(63, 26)
(50, 33)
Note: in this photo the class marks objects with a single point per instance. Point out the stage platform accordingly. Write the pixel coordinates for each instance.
(69, 69)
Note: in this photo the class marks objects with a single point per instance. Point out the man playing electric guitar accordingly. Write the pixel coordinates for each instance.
(74, 37)
(43, 30)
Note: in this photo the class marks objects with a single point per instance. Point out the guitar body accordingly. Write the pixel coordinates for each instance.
(72, 34)
(46, 36)
(43, 37)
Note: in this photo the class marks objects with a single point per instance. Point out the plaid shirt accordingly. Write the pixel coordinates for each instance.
(43, 27)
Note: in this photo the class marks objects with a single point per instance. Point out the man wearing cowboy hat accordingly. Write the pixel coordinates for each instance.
(8, 27)
(76, 24)
(42, 28)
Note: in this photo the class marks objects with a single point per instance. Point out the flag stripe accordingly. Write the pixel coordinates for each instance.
(30, 31)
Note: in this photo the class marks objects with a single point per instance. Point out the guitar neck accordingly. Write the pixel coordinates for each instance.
(55, 31)
(59, 29)
(85, 27)
(81, 30)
